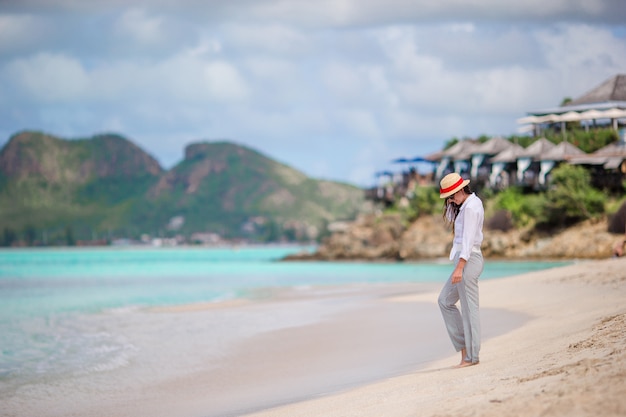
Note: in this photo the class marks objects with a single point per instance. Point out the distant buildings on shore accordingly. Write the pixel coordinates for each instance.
(499, 163)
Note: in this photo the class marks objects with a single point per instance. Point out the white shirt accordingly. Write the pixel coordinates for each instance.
(468, 228)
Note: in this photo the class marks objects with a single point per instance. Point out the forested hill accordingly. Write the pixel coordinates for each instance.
(54, 190)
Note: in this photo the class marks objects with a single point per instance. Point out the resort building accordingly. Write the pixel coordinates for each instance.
(605, 103)
(499, 163)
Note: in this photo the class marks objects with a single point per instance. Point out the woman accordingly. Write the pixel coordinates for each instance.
(464, 210)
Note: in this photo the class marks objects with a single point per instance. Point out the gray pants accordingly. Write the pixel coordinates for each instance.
(463, 328)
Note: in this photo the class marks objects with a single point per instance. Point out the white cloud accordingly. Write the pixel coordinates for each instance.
(270, 39)
(192, 79)
(19, 32)
(205, 46)
(223, 81)
(136, 24)
(575, 50)
(50, 77)
(14, 27)
(184, 77)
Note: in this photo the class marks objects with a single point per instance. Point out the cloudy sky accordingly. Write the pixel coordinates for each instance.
(334, 88)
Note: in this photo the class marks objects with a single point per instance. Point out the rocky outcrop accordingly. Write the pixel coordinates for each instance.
(369, 237)
(586, 240)
(385, 237)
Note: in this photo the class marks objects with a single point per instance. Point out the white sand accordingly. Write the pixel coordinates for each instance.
(569, 360)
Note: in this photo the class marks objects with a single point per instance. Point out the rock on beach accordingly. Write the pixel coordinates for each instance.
(386, 237)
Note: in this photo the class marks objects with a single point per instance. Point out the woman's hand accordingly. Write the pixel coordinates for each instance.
(457, 274)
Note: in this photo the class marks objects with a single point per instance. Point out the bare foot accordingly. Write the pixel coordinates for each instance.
(464, 364)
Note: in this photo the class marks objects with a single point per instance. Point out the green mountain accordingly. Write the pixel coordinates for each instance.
(103, 187)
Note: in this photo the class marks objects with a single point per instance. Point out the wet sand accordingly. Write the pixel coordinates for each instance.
(553, 345)
(375, 338)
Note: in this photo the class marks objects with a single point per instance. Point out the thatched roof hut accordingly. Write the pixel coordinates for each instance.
(537, 148)
(611, 90)
(610, 157)
(564, 151)
(508, 155)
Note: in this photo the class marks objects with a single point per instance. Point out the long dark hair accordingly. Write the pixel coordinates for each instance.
(451, 210)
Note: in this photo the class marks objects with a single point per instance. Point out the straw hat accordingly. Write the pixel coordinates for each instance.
(450, 184)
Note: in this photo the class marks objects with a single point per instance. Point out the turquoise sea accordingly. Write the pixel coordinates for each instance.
(61, 309)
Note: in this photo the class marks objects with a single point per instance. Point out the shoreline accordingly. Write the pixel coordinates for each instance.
(281, 347)
(552, 345)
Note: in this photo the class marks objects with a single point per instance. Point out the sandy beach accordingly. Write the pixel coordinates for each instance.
(553, 346)
(568, 360)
